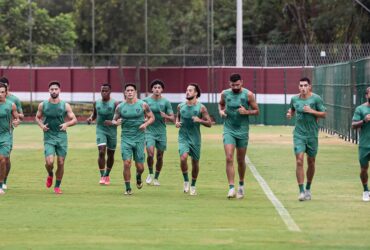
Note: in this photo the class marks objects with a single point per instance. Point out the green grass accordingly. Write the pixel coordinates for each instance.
(89, 216)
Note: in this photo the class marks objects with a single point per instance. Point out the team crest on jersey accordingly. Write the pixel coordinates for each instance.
(137, 111)
(161, 106)
(6, 110)
(195, 112)
(110, 108)
(242, 100)
(228, 99)
(124, 111)
(60, 110)
(98, 108)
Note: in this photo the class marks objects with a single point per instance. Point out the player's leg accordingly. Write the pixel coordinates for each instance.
(110, 162)
(102, 148)
(194, 175)
(139, 158)
(59, 174)
(158, 166)
(127, 176)
(150, 161)
(299, 159)
(139, 172)
(364, 158)
(311, 150)
(230, 171)
(184, 170)
(8, 167)
(240, 156)
(49, 151)
(2, 172)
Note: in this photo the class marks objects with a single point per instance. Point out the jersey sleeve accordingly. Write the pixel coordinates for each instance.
(169, 110)
(18, 104)
(357, 116)
(320, 104)
(291, 106)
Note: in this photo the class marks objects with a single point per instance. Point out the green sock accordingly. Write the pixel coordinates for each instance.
(241, 183)
(57, 183)
(150, 170)
(186, 177)
(308, 185)
(128, 186)
(156, 175)
(5, 180)
(1, 185)
(193, 181)
(50, 174)
(138, 178)
(365, 187)
(107, 172)
(231, 186)
(101, 172)
(301, 188)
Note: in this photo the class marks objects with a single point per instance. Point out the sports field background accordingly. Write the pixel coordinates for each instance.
(89, 216)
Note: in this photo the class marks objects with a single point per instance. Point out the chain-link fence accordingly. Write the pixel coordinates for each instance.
(259, 56)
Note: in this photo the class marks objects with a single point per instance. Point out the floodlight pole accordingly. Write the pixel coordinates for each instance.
(239, 33)
(93, 44)
(146, 50)
(30, 24)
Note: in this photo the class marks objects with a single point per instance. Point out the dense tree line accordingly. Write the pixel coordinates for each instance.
(61, 25)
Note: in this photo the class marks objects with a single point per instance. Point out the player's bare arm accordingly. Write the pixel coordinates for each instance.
(93, 115)
(15, 116)
(221, 105)
(205, 119)
(177, 122)
(149, 117)
(318, 114)
(38, 118)
(71, 116)
(359, 124)
(252, 103)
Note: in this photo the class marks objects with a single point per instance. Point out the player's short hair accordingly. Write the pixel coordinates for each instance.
(305, 79)
(155, 82)
(129, 85)
(367, 91)
(4, 85)
(196, 86)
(4, 80)
(54, 83)
(235, 77)
(106, 85)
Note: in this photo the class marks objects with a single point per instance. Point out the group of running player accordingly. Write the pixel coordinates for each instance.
(143, 124)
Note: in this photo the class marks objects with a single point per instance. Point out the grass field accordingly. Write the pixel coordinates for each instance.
(89, 216)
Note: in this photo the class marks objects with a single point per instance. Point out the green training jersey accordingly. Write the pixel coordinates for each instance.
(132, 117)
(5, 118)
(105, 111)
(360, 113)
(306, 125)
(235, 123)
(53, 116)
(189, 130)
(158, 127)
(16, 101)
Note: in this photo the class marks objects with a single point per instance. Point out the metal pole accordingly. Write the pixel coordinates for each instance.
(213, 55)
(239, 33)
(93, 44)
(30, 24)
(146, 48)
(208, 51)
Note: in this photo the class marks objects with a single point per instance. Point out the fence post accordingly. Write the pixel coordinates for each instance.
(223, 55)
(265, 56)
(305, 54)
(183, 56)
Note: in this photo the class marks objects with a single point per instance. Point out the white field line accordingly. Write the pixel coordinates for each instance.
(284, 214)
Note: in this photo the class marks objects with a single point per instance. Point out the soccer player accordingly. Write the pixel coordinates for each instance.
(8, 111)
(18, 104)
(50, 117)
(361, 119)
(190, 115)
(308, 108)
(235, 106)
(106, 132)
(156, 134)
(136, 117)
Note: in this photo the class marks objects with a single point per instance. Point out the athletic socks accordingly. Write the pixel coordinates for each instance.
(301, 188)
(365, 187)
(308, 185)
(127, 185)
(156, 175)
(193, 181)
(1, 185)
(5, 180)
(57, 183)
(50, 174)
(231, 186)
(186, 176)
(107, 172)
(101, 172)
(241, 183)
(150, 170)
(138, 178)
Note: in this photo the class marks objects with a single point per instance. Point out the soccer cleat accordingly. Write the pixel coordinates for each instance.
(365, 196)
(231, 193)
(301, 196)
(193, 190)
(102, 180)
(240, 193)
(149, 179)
(1, 191)
(307, 195)
(139, 184)
(57, 190)
(186, 186)
(49, 181)
(5, 187)
(128, 192)
(107, 180)
(156, 182)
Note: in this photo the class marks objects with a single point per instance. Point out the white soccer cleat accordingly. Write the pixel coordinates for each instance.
(1, 191)
(365, 196)
(301, 196)
(240, 193)
(186, 186)
(307, 195)
(128, 192)
(149, 179)
(156, 182)
(193, 190)
(5, 187)
(231, 193)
